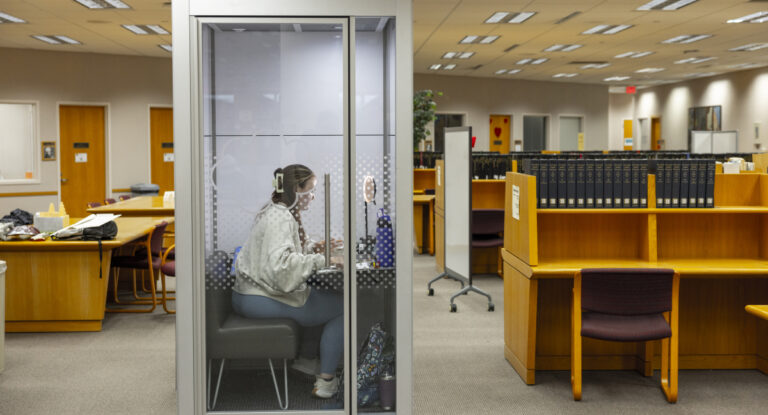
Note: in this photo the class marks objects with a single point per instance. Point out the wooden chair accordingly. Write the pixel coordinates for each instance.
(627, 305)
(92, 205)
(124, 197)
(109, 201)
(488, 230)
(149, 259)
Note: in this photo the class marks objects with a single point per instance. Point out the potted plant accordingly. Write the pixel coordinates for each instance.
(423, 113)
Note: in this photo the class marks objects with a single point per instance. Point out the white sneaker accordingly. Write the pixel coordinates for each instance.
(309, 367)
(325, 389)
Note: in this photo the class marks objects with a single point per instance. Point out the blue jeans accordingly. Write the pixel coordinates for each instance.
(322, 308)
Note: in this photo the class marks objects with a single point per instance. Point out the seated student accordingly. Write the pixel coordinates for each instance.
(274, 264)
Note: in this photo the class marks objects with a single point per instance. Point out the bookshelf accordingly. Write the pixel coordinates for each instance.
(721, 254)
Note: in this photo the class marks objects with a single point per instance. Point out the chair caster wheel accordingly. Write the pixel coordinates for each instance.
(453, 308)
(491, 307)
(431, 292)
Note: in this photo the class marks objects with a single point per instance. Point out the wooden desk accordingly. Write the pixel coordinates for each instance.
(419, 202)
(760, 311)
(720, 253)
(139, 206)
(55, 285)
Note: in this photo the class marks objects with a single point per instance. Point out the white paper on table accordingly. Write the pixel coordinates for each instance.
(91, 221)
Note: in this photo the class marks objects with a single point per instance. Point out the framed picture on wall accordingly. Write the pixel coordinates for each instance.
(49, 150)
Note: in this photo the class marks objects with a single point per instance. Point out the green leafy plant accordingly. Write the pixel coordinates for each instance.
(423, 113)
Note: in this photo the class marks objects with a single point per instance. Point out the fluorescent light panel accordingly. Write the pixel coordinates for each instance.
(686, 39)
(496, 17)
(605, 29)
(539, 61)
(166, 48)
(435, 67)
(449, 67)
(513, 71)
(7, 18)
(57, 39)
(450, 55)
(521, 17)
(509, 17)
(466, 55)
(750, 18)
(146, 29)
(469, 39)
(554, 48)
(103, 4)
(666, 5)
(565, 75)
(750, 47)
(47, 39)
(488, 39)
(634, 55)
(562, 48)
(616, 78)
(501, 72)
(695, 60)
(523, 61)
(485, 40)
(649, 70)
(596, 66)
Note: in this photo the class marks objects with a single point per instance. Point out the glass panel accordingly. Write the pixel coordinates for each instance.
(374, 190)
(273, 129)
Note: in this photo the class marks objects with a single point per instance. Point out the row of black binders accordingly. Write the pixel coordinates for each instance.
(614, 183)
(685, 183)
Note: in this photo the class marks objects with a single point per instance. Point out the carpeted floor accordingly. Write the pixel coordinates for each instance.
(129, 368)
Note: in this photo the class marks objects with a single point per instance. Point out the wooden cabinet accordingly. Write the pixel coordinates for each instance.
(721, 254)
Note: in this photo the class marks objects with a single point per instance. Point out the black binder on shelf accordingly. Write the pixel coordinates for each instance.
(552, 188)
(571, 183)
(710, 203)
(693, 183)
(676, 183)
(589, 193)
(618, 183)
(534, 166)
(661, 173)
(626, 191)
(562, 183)
(581, 183)
(643, 183)
(668, 183)
(607, 183)
(597, 165)
(635, 199)
(685, 178)
(701, 194)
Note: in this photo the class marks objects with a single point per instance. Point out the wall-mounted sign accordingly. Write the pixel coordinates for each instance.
(81, 145)
(166, 145)
(168, 157)
(81, 157)
(631, 89)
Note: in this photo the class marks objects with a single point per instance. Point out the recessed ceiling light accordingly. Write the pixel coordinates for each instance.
(450, 55)
(649, 70)
(56, 39)
(488, 39)
(469, 39)
(146, 29)
(571, 48)
(667, 5)
(466, 55)
(435, 67)
(539, 61)
(745, 66)
(7, 18)
(242, 29)
(449, 67)
(641, 54)
(616, 78)
(501, 71)
(554, 48)
(562, 48)
(103, 4)
(750, 47)
(166, 48)
(605, 29)
(686, 39)
(695, 60)
(596, 66)
(565, 75)
(517, 18)
(513, 71)
(523, 61)
(496, 17)
(750, 18)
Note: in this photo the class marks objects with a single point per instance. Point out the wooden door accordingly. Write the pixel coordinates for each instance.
(499, 133)
(83, 174)
(655, 133)
(161, 142)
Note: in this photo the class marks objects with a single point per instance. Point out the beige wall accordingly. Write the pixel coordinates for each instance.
(621, 107)
(743, 96)
(128, 84)
(481, 97)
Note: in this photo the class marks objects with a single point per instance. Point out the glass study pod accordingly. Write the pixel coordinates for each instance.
(293, 206)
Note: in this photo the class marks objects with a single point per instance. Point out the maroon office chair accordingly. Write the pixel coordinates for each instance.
(627, 305)
(109, 201)
(149, 259)
(124, 197)
(92, 205)
(168, 267)
(487, 230)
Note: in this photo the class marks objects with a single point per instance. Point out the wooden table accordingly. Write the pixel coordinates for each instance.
(55, 285)
(419, 202)
(139, 206)
(758, 311)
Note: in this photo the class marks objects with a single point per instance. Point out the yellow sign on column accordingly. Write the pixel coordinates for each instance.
(628, 135)
(581, 141)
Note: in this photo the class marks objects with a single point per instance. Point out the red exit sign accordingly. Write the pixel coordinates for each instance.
(631, 90)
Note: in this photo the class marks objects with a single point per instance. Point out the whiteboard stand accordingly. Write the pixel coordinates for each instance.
(458, 213)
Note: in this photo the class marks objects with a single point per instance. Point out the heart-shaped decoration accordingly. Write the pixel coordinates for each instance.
(497, 131)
